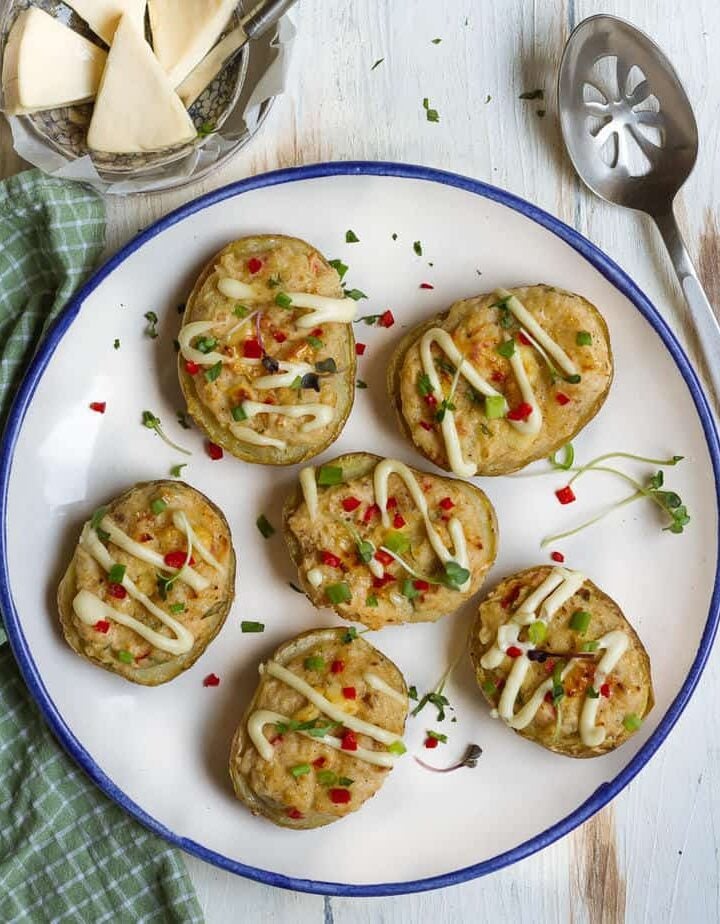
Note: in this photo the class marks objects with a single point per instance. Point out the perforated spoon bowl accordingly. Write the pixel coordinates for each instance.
(631, 135)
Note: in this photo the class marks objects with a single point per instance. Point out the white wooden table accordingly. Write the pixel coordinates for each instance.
(653, 854)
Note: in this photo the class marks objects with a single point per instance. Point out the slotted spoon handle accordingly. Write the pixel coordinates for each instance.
(701, 311)
(265, 15)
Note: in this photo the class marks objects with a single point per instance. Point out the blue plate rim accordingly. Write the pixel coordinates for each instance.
(601, 262)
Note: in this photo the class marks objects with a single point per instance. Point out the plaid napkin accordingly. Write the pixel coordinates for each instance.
(67, 853)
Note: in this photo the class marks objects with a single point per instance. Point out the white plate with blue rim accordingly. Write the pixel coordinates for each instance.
(162, 752)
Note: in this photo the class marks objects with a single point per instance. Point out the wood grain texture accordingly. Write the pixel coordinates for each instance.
(653, 855)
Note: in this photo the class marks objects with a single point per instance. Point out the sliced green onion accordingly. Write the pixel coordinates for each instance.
(583, 338)
(329, 474)
(238, 413)
(213, 372)
(424, 385)
(248, 626)
(537, 631)
(590, 646)
(177, 608)
(338, 593)
(125, 657)
(314, 663)
(567, 460)
(158, 506)
(206, 344)
(350, 635)
(396, 541)
(116, 574)
(240, 311)
(409, 590)
(437, 736)
(489, 688)
(632, 722)
(326, 777)
(592, 693)
(397, 747)
(413, 693)
(345, 781)
(558, 690)
(315, 342)
(98, 517)
(300, 770)
(371, 600)
(506, 348)
(283, 300)
(579, 621)
(265, 526)
(573, 379)
(495, 406)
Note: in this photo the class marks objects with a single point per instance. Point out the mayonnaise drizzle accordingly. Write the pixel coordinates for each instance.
(258, 720)
(377, 683)
(308, 483)
(325, 310)
(315, 577)
(381, 477)
(554, 592)
(529, 427)
(188, 333)
(288, 372)
(246, 435)
(233, 288)
(91, 609)
(322, 414)
(181, 522)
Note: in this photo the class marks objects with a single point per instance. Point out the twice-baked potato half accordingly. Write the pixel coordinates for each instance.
(559, 662)
(383, 543)
(501, 380)
(322, 732)
(150, 583)
(267, 354)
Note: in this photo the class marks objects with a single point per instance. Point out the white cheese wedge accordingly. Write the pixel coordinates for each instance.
(183, 31)
(103, 15)
(136, 107)
(210, 66)
(46, 65)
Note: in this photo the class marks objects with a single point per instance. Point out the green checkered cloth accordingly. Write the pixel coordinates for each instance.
(67, 853)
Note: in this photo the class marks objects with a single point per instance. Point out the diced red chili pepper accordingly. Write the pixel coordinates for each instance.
(117, 591)
(498, 376)
(521, 412)
(549, 697)
(421, 585)
(102, 626)
(426, 285)
(360, 349)
(558, 557)
(431, 400)
(254, 265)
(212, 680)
(431, 743)
(447, 503)
(177, 559)
(318, 332)
(565, 495)
(279, 336)
(252, 349)
(549, 667)
(348, 742)
(349, 692)
(562, 399)
(350, 503)
(425, 425)
(146, 537)
(327, 558)
(398, 521)
(523, 339)
(605, 690)
(391, 503)
(372, 510)
(294, 813)
(213, 450)
(191, 368)
(386, 319)
(339, 796)
(513, 651)
(510, 599)
(98, 406)
(337, 667)
(275, 738)
(144, 655)
(385, 558)
(319, 762)
(380, 582)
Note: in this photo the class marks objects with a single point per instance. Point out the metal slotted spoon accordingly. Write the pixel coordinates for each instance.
(631, 134)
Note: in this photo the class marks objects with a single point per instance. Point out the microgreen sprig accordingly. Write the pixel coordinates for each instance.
(152, 422)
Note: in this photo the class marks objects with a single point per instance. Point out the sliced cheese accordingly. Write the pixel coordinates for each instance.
(183, 31)
(136, 107)
(46, 65)
(103, 15)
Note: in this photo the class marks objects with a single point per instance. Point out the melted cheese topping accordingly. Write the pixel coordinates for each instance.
(529, 427)
(381, 477)
(554, 592)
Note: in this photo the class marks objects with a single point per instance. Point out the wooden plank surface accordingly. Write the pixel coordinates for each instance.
(652, 855)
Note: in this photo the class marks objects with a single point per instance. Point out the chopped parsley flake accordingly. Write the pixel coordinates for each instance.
(116, 344)
(176, 470)
(360, 384)
(417, 247)
(351, 238)
(283, 300)
(532, 94)
(152, 321)
(265, 526)
(213, 372)
(432, 115)
(340, 267)
(377, 63)
(182, 420)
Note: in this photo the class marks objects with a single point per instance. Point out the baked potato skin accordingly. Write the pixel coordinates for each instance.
(307, 539)
(630, 682)
(205, 612)
(301, 267)
(495, 446)
(268, 788)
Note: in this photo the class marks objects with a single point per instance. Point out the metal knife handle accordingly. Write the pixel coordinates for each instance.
(264, 16)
